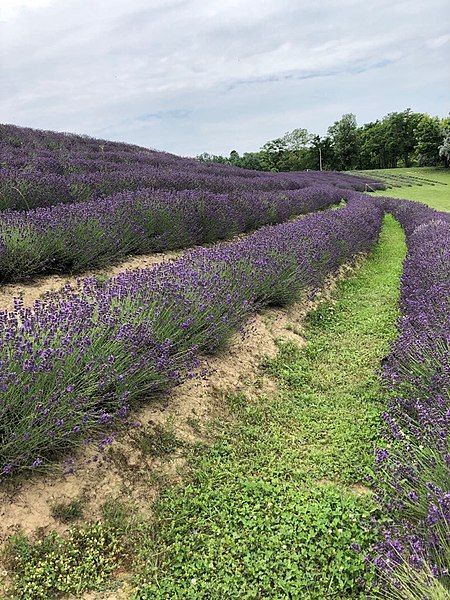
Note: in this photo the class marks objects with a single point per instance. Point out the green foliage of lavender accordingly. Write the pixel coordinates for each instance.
(72, 365)
(74, 238)
(413, 477)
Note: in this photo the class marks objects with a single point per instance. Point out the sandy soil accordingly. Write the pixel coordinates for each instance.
(37, 288)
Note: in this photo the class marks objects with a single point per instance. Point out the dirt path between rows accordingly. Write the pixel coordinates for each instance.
(30, 292)
(35, 289)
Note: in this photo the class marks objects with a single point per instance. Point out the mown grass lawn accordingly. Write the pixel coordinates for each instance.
(437, 196)
(276, 507)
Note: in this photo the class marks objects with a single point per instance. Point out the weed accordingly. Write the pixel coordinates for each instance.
(54, 565)
(66, 512)
(156, 441)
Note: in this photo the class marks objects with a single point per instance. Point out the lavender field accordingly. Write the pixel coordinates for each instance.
(70, 203)
(77, 365)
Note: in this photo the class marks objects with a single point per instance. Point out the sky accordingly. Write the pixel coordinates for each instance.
(192, 76)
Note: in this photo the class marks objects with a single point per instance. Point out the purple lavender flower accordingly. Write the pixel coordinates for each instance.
(414, 486)
(140, 317)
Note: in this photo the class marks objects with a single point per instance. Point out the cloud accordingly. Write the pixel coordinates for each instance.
(10, 9)
(191, 76)
(439, 41)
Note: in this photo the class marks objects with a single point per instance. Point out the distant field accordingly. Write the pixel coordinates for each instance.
(426, 184)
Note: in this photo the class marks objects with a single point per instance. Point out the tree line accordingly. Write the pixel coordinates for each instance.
(400, 139)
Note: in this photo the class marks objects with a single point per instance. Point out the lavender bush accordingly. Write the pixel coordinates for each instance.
(75, 363)
(73, 238)
(413, 477)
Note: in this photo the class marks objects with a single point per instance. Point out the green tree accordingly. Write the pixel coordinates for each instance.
(370, 146)
(377, 148)
(345, 140)
(249, 160)
(321, 154)
(273, 154)
(206, 157)
(444, 149)
(400, 129)
(289, 152)
(429, 135)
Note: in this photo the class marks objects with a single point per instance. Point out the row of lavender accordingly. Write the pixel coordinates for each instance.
(73, 238)
(413, 471)
(46, 168)
(77, 361)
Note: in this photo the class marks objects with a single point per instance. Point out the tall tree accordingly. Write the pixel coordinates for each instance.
(401, 127)
(321, 154)
(429, 137)
(344, 136)
(289, 152)
(444, 149)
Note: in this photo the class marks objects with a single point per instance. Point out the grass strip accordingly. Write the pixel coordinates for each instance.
(276, 507)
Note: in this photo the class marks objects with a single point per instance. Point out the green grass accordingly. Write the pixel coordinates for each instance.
(437, 196)
(274, 505)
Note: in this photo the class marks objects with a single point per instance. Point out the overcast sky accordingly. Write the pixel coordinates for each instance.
(189, 76)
